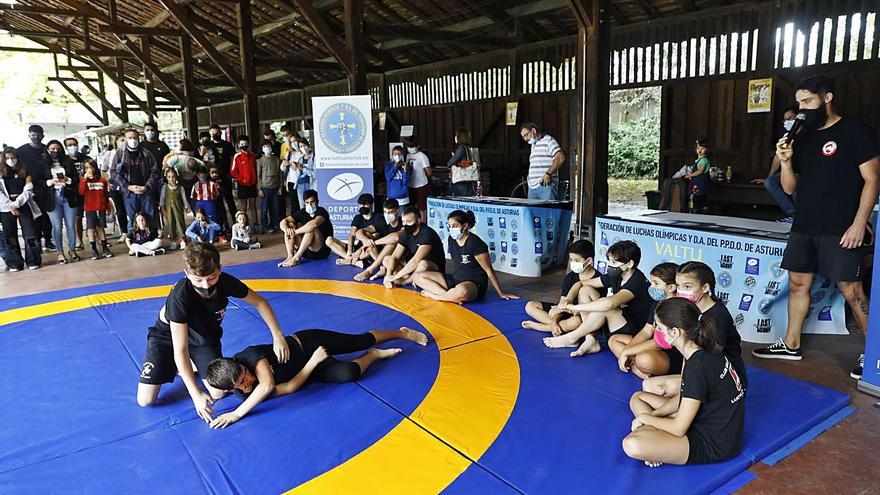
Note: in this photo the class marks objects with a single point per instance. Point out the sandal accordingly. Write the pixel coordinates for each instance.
(62, 260)
(73, 256)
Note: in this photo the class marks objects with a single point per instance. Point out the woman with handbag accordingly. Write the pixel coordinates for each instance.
(463, 170)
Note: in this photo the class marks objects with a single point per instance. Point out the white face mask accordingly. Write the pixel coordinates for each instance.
(577, 267)
(71, 150)
(150, 134)
(397, 158)
(132, 143)
(455, 233)
(390, 218)
(412, 151)
(787, 124)
(267, 150)
(455, 139)
(11, 162)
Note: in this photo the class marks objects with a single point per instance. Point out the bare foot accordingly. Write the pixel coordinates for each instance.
(653, 464)
(381, 273)
(289, 262)
(359, 264)
(558, 342)
(531, 325)
(360, 277)
(343, 261)
(386, 353)
(590, 346)
(414, 336)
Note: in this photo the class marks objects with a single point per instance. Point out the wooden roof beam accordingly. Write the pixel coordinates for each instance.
(649, 9)
(40, 11)
(78, 98)
(41, 34)
(123, 29)
(326, 35)
(24, 50)
(97, 94)
(293, 63)
(433, 36)
(119, 82)
(157, 73)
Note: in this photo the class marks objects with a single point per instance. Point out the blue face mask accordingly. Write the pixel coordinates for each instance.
(533, 141)
(311, 209)
(657, 293)
(455, 233)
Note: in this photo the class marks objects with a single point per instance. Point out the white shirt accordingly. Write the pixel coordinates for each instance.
(418, 162)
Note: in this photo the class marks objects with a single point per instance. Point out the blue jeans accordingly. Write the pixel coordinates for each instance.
(773, 185)
(140, 202)
(544, 192)
(61, 215)
(270, 208)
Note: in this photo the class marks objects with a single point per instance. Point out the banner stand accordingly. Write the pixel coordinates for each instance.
(870, 382)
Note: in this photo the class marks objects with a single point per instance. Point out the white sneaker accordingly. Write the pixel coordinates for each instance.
(121, 239)
(256, 245)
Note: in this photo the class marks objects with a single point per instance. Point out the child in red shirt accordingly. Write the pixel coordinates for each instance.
(94, 190)
(244, 178)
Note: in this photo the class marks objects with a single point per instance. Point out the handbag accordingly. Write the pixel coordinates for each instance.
(467, 170)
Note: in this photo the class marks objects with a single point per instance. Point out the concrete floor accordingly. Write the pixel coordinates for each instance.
(840, 461)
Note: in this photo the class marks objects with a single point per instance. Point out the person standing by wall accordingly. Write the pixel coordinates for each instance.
(35, 159)
(463, 170)
(420, 170)
(223, 152)
(834, 165)
(269, 188)
(545, 160)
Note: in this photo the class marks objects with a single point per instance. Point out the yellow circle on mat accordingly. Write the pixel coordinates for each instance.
(467, 406)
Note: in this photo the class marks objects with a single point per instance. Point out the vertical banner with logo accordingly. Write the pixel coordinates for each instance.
(343, 155)
(870, 381)
(749, 278)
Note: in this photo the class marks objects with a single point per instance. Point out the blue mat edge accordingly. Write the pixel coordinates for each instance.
(806, 437)
(737, 482)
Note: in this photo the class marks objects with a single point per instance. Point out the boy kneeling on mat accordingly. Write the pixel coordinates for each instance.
(255, 373)
(188, 328)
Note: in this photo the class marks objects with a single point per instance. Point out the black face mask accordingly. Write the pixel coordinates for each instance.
(242, 147)
(215, 137)
(614, 272)
(365, 210)
(411, 229)
(816, 117)
(206, 293)
(37, 140)
(204, 142)
(55, 154)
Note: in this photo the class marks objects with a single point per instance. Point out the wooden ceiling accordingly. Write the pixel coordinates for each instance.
(134, 41)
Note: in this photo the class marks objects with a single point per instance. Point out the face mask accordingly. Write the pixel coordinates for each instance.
(267, 150)
(390, 218)
(365, 210)
(689, 296)
(132, 143)
(305, 149)
(11, 162)
(55, 154)
(787, 124)
(203, 142)
(410, 229)
(412, 151)
(202, 178)
(242, 146)
(577, 267)
(533, 141)
(71, 150)
(203, 291)
(37, 140)
(660, 340)
(614, 272)
(311, 209)
(455, 139)
(455, 233)
(657, 293)
(151, 135)
(215, 137)
(816, 117)
(397, 158)
(215, 176)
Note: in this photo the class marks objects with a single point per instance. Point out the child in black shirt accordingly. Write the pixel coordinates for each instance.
(255, 373)
(419, 249)
(472, 268)
(705, 423)
(365, 219)
(546, 315)
(625, 311)
(188, 328)
(308, 233)
(379, 241)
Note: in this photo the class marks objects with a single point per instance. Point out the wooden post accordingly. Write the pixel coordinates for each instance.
(354, 40)
(148, 79)
(249, 76)
(123, 105)
(104, 119)
(192, 123)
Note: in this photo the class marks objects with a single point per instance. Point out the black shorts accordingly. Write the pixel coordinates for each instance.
(822, 254)
(626, 330)
(159, 366)
(699, 450)
(244, 192)
(96, 219)
(547, 306)
(321, 254)
(481, 285)
(676, 361)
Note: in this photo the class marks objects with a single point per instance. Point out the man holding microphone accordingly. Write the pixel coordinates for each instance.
(833, 165)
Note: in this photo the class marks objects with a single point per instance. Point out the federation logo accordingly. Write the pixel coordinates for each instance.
(604, 240)
(829, 148)
(739, 319)
(602, 267)
(539, 248)
(345, 186)
(725, 279)
(776, 269)
(514, 249)
(503, 258)
(491, 234)
(492, 257)
(343, 128)
(502, 223)
(536, 221)
(745, 302)
(513, 223)
(550, 223)
(503, 234)
(753, 266)
(603, 252)
(765, 306)
(824, 314)
(433, 213)
(751, 282)
(503, 246)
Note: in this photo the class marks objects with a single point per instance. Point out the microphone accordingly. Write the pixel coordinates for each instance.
(799, 120)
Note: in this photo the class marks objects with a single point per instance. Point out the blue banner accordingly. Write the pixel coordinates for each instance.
(871, 375)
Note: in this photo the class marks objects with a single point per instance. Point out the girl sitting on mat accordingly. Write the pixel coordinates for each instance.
(625, 311)
(696, 282)
(640, 353)
(254, 374)
(472, 269)
(546, 315)
(704, 423)
(141, 241)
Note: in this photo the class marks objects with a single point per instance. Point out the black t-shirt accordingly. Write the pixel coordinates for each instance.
(728, 338)
(204, 316)
(572, 278)
(385, 229)
(710, 378)
(302, 217)
(637, 310)
(223, 153)
(426, 236)
(359, 222)
(158, 149)
(137, 236)
(37, 163)
(464, 260)
(282, 372)
(829, 182)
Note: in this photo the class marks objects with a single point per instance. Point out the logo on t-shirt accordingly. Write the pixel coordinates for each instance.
(465, 259)
(829, 148)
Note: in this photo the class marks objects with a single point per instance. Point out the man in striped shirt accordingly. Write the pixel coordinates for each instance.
(545, 161)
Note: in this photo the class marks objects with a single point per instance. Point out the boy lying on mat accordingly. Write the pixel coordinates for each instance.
(255, 374)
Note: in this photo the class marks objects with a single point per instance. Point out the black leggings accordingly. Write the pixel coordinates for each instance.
(331, 369)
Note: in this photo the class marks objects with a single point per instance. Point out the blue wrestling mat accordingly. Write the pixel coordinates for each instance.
(484, 408)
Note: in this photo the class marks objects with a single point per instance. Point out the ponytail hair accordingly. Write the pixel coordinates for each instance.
(701, 272)
(681, 313)
(463, 217)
